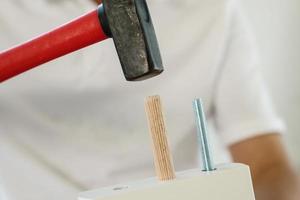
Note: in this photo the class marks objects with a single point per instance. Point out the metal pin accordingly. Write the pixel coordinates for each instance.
(202, 136)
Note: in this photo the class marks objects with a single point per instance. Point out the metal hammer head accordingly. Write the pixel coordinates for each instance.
(129, 23)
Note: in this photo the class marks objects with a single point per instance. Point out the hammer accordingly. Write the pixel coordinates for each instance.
(128, 22)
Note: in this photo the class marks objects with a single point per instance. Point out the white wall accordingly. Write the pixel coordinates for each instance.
(277, 27)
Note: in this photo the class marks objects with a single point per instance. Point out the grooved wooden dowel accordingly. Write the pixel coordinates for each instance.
(162, 156)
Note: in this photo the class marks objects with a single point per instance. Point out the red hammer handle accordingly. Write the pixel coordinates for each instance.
(81, 32)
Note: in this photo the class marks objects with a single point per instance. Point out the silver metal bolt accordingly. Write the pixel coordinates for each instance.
(202, 136)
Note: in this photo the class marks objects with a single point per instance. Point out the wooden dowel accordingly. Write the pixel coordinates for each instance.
(162, 156)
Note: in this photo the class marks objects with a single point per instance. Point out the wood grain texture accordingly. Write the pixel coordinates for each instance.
(162, 157)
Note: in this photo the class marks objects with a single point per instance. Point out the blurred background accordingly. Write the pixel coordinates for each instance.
(276, 24)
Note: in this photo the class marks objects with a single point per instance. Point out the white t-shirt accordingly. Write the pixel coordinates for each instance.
(76, 124)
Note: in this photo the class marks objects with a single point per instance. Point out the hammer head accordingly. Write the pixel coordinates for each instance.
(129, 23)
